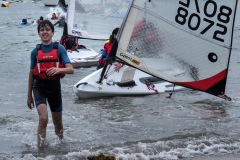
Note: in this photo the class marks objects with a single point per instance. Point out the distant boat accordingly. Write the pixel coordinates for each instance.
(55, 2)
(50, 2)
(77, 27)
(90, 19)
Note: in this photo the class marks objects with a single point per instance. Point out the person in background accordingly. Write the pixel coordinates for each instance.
(61, 21)
(49, 63)
(24, 21)
(70, 43)
(40, 20)
(107, 48)
(54, 16)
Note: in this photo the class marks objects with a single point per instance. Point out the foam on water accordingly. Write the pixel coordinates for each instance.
(168, 150)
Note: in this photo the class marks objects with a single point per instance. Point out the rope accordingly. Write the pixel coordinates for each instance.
(96, 56)
(87, 61)
(108, 74)
(227, 98)
(151, 86)
(79, 64)
(76, 62)
(153, 4)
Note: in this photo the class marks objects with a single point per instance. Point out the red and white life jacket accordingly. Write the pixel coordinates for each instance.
(46, 61)
(105, 53)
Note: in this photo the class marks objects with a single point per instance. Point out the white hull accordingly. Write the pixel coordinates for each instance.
(50, 2)
(83, 63)
(88, 88)
(83, 58)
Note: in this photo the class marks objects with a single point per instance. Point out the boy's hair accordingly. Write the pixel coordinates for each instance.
(41, 18)
(45, 23)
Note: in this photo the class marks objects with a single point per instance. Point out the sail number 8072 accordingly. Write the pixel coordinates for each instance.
(223, 16)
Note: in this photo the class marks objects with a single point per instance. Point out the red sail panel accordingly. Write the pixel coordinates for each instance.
(206, 83)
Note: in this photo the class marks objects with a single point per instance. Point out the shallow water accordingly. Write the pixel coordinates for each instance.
(191, 125)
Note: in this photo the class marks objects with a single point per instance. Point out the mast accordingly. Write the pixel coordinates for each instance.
(113, 51)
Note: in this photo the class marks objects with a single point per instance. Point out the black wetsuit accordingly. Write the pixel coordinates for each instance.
(49, 89)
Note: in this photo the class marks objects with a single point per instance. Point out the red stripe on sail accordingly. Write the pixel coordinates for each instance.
(206, 83)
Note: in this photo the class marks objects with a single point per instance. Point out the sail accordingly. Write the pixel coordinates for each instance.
(186, 42)
(95, 19)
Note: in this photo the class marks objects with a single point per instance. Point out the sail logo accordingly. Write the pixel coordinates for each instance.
(136, 62)
(129, 58)
(77, 32)
(130, 48)
(125, 57)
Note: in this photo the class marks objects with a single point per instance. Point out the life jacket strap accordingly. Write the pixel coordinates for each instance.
(39, 46)
(55, 45)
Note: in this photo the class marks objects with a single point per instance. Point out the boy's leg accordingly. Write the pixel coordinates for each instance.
(57, 121)
(42, 126)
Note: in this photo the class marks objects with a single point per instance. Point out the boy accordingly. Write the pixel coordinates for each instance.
(49, 63)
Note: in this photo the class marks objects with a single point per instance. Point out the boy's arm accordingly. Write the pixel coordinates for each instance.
(30, 102)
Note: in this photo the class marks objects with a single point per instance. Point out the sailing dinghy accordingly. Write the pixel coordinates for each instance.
(187, 43)
(85, 57)
(88, 19)
(127, 82)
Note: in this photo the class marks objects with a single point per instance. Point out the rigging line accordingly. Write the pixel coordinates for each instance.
(173, 92)
(153, 4)
(96, 56)
(76, 62)
(225, 97)
(179, 27)
(151, 86)
(108, 74)
(87, 61)
(233, 23)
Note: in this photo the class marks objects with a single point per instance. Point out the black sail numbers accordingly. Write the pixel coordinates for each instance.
(211, 11)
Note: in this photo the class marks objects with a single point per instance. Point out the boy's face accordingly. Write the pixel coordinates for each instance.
(46, 34)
